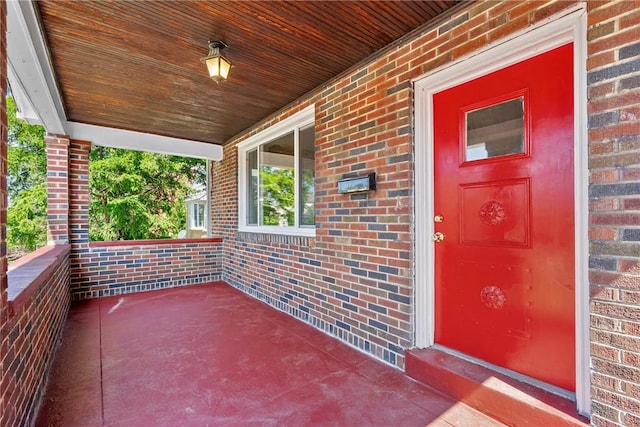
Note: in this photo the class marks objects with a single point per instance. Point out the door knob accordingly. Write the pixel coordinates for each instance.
(438, 237)
(438, 218)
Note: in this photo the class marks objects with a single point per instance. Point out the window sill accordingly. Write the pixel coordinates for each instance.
(280, 231)
(28, 273)
(154, 242)
(255, 236)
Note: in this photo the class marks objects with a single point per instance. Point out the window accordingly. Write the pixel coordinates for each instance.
(277, 178)
(197, 215)
(496, 130)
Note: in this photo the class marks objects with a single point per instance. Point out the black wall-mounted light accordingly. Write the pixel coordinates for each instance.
(217, 65)
(358, 184)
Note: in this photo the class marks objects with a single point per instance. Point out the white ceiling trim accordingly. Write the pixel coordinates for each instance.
(25, 110)
(30, 73)
(131, 140)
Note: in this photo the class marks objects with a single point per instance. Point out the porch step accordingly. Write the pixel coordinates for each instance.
(503, 398)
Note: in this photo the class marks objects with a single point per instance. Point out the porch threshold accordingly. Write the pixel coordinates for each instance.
(492, 393)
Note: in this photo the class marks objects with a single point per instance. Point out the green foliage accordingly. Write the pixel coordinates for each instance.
(136, 195)
(26, 155)
(27, 220)
(278, 206)
(26, 185)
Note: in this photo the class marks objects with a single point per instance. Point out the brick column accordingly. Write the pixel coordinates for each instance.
(78, 205)
(57, 147)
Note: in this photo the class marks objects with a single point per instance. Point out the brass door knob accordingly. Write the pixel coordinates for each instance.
(438, 237)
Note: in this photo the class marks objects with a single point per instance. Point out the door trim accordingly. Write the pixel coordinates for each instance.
(568, 26)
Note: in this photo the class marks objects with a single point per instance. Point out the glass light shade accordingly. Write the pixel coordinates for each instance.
(217, 65)
(225, 66)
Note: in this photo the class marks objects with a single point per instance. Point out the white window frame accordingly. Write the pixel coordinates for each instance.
(193, 213)
(294, 123)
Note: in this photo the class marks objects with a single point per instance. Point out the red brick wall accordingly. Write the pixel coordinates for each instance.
(354, 280)
(130, 266)
(34, 329)
(224, 194)
(613, 79)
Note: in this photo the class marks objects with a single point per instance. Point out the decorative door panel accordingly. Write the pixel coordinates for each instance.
(495, 301)
(495, 213)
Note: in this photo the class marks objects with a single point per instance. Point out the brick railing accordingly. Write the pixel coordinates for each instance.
(38, 304)
(121, 267)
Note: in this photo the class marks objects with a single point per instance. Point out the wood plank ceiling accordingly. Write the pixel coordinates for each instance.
(135, 65)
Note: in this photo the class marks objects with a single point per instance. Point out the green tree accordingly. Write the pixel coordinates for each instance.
(278, 196)
(27, 221)
(26, 184)
(138, 195)
(26, 156)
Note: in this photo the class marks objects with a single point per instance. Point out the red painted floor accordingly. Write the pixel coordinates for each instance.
(212, 356)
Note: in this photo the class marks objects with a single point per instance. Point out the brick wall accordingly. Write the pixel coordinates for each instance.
(33, 330)
(354, 279)
(115, 268)
(223, 194)
(613, 80)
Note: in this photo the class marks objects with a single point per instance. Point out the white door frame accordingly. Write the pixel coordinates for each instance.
(568, 26)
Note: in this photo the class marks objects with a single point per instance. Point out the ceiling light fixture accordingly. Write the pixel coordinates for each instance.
(217, 65)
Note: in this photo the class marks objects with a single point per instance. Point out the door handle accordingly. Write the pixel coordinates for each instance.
(438, 237)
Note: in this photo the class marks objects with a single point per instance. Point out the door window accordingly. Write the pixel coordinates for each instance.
(494, 131)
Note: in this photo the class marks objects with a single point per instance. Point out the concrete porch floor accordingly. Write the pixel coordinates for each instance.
(210, 355)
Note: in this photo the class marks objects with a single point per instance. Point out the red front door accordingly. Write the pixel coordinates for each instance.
(503, 151)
